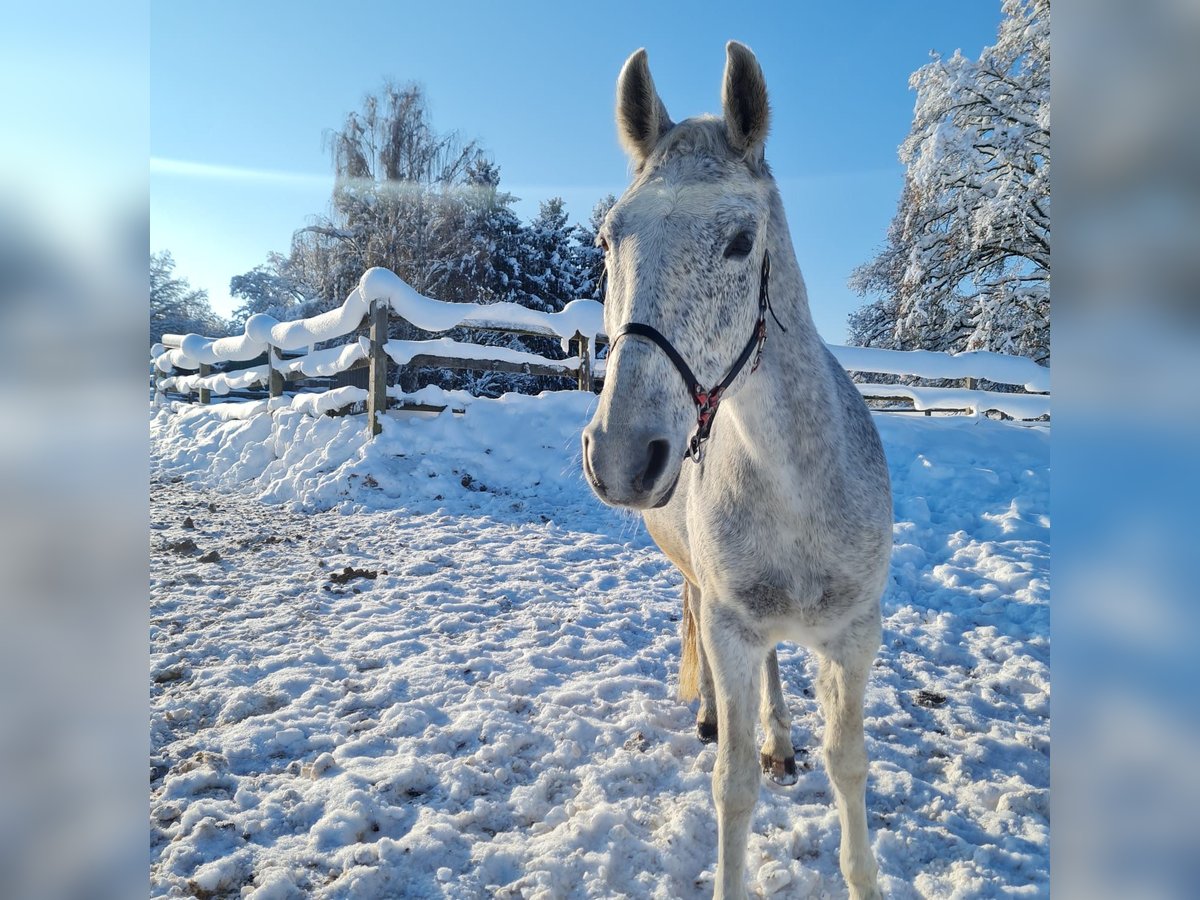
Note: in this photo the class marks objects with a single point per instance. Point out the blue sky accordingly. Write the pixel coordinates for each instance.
(241, 94)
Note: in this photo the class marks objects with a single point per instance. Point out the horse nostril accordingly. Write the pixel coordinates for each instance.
(588, 471)
(656, 463)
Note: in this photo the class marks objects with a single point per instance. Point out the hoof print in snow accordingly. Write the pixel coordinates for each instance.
(211, 556)
(370, 482)
(930, 698)
(188, 523)
(638, 742)
(350, 573)
(212, 507)
(184, 545)
(468, 481)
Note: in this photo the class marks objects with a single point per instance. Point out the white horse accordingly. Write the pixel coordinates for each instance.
(777, 509)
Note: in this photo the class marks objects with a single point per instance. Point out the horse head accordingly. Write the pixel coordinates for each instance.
(687, 267)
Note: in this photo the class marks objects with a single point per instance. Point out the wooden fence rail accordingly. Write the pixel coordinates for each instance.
(373, 354)
(376, 362)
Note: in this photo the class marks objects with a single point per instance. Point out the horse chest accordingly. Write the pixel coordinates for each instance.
(734, 539)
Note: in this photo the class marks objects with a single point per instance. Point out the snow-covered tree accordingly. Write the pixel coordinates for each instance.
(549, 274)
(175, 306)
(589, 259)
(272, 288)
(485, 246)
(430, 208)
(967, 259)
(394, 198)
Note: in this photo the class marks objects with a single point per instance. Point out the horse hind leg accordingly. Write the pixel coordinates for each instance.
(695, 673)
(706, 715)
(841, 686)
(778, 756)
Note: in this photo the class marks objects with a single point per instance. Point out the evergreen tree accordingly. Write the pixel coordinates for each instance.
(589, 258)
(550, 277)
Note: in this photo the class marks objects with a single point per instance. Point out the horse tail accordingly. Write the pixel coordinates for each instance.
(689, 662)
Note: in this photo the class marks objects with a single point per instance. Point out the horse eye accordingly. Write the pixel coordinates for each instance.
(603, 243)
(740, 246)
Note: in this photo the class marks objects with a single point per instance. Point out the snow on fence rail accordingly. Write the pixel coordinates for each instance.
(381, 293)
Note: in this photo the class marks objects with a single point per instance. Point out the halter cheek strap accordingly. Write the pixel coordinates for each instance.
(708, 400)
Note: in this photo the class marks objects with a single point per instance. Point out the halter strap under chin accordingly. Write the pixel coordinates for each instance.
(707, 401)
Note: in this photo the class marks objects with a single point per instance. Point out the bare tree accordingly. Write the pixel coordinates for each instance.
(175, 306)
(397, 179)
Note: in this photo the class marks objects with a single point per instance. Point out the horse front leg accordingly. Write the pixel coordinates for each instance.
(778, 758)
(736, 662)
(841, 686)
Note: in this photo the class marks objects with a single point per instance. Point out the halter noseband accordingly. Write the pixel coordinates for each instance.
(707, 400)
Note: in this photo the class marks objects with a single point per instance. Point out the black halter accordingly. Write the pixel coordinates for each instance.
(707, 400)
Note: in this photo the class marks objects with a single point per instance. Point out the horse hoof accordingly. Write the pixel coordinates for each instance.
(707, 732)
(780, 771)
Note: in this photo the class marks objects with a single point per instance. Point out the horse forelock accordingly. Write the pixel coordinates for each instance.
(699, 149)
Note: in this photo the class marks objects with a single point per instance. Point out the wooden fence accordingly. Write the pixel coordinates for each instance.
(1029, 402)
(375, 360)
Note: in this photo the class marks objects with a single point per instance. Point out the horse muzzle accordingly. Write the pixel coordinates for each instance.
(634, 471)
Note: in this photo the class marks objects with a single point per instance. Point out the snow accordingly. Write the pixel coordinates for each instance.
(432, 396)
(310, 403)
(220, 383)
(402, 352)
(932, 364)
(1019, 406)
(484, 705)
(583, 316)
(326, 401)
(329, 361)
(302, 333)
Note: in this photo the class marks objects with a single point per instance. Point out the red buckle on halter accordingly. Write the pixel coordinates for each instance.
(706, 408)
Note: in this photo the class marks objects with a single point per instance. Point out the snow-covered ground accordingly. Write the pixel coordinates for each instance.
(433, 665)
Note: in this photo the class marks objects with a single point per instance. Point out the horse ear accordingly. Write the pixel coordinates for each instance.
(744, 99)
(641, 117)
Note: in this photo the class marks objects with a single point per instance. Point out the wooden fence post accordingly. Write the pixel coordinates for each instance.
(377, 399)
(585, 363)
(274, 375)
(972, 383)
(205, 393)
